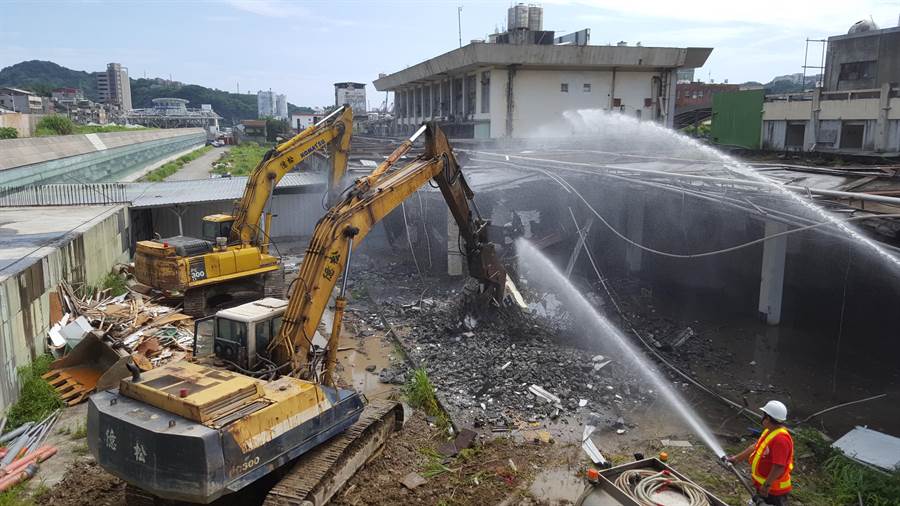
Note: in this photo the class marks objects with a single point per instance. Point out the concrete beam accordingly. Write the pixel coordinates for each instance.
(771, 283)
(478, 54)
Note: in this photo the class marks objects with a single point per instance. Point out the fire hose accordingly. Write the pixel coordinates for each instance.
(642, 484)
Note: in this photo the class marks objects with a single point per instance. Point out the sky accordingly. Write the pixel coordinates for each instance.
(302, 47)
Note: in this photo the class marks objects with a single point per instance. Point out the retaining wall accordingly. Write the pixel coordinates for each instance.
(84, 254)
(89, 158)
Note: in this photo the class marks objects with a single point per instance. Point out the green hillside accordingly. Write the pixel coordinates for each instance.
(42, 76)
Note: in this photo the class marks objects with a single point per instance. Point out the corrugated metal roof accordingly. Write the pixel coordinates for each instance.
(146, 195)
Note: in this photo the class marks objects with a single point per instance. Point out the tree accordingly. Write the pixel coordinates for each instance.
(277, 128)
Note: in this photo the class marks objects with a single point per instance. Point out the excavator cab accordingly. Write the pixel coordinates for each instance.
(241, 333)
(217, 225)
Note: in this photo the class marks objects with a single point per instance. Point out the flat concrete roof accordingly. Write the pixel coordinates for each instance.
(870, 33)
(28, 234)
(546, 56)
(166, 193)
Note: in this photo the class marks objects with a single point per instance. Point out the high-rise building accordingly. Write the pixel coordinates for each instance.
(114, 87)
(281, 108)
(265, 104)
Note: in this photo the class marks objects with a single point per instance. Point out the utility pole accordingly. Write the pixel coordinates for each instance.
(459, 23)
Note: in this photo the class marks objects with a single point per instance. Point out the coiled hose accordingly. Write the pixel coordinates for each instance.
(642, 484)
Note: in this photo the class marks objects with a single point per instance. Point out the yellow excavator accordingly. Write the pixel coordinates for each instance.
(197, 431)
(231, 261)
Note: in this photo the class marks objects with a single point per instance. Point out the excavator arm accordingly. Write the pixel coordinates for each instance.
(347, 223)
(334, 131)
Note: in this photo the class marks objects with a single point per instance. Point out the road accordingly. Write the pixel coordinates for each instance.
(199, 168)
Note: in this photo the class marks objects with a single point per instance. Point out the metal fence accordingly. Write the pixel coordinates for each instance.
(64, 195)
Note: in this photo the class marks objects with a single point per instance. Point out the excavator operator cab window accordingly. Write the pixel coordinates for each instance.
(231, 341)
(213, 229)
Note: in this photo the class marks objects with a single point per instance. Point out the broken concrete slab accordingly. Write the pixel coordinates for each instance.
(463, 440)
(413, 480)
(871, 447)
(676, 443)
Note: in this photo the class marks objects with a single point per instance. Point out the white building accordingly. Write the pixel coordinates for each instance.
(265, 104)
(353, 94)
(24, 101)
(302, 120)
(509, 89)
(281, 108)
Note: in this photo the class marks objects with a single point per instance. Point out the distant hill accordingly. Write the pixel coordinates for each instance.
(42, 76)
(792, 83)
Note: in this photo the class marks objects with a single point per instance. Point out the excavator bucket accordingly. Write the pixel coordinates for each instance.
(91, 365)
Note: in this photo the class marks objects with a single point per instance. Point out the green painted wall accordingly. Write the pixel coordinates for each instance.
(737, 118)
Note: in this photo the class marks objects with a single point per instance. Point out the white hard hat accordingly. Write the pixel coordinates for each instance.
(776, 409)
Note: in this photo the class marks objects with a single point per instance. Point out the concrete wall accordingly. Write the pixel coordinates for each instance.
(90, 157)
(85, 255)
(881, 47)
(25, 124)
(830, 117)
(296, 216)
(538, 99)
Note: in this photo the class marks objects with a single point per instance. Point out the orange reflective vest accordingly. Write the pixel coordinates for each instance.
(783, 484)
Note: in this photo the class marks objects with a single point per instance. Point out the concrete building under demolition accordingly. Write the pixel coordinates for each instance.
(856, 111)
(525, 77)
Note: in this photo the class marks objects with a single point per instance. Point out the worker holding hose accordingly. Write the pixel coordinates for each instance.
(771, 458)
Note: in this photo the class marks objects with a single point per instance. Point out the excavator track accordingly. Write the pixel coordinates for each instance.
(319, 474)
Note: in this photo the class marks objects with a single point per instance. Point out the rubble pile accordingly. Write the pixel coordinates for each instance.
(154, 333)
(502, 374)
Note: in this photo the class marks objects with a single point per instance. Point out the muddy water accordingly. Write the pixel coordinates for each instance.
(360, 353)
(798, 361)
(556, 485)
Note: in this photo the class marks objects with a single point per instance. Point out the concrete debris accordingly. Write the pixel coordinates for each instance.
(394, 375)
(683, 336)
(620, 431)
(463, 440)
(543, 394)
(512, 465)
(676, 443)
(506, 365)
(371, 368)
(413, 480)
(582, 403)
(871, 447)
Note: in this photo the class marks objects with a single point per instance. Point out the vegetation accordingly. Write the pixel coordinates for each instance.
(702, 130)
(277, 128)
(8, 133)
(105, 129)
(37, 398)
(113, 284)
(16, 496)
(54, 125)
(841, 480)
(421, 395)
(42, 77)
(169, 168)
(241, 159)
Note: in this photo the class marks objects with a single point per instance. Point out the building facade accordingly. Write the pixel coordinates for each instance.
(67, 95)
(699, 95)
(23, 101)
(858, 108)
(114, 86)
(302, 120)
(281, 108)
(486, 90)
(353, 94)
(522, 79)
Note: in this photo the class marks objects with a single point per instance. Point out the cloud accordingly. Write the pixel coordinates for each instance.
(828, 15)
(269, 8)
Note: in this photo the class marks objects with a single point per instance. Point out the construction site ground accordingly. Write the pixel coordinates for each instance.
(524, 452)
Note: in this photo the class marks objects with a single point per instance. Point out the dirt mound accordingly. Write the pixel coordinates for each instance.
(85, 484)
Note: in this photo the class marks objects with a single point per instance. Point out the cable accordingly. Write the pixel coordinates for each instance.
(643, 484)
(409, 241)
(571, 189)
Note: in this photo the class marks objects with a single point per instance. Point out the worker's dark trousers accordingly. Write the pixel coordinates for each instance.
(777, 500)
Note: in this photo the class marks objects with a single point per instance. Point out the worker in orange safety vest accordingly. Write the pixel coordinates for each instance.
(771, 458)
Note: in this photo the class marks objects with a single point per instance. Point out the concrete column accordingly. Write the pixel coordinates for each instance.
(454, 257)
(772, 274)
(634, 230)
(882, 129)
(814, 118)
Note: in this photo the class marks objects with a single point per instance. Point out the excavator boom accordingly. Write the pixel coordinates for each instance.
(282, 159)
(347, 223)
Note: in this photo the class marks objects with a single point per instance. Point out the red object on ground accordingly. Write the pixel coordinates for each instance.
(18, 477)
(40, 455)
